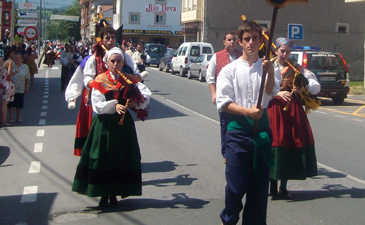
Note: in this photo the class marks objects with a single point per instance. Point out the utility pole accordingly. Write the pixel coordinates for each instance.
(39, 26)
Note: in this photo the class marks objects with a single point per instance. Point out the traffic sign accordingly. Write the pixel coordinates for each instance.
(30, 33)
(27, 22)
(27, 14)
(295, 31)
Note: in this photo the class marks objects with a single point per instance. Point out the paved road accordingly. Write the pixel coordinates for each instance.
(183, 173)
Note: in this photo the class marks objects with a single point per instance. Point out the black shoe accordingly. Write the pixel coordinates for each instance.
(273, 188)
(103, 202)
(284, 194)
(113, 201)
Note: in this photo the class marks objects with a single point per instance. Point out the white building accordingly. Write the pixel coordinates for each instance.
(153, 21)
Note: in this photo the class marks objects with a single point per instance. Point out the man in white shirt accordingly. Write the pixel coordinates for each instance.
(141, 58)
(65, 57)
(248, 155)
(216, 64)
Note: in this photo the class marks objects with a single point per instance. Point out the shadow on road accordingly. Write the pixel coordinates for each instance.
(329, 191)
(329, 174)
(15, 212)
(4, 155)
(328, 102)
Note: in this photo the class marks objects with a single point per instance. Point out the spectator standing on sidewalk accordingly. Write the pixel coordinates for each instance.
(29, 60)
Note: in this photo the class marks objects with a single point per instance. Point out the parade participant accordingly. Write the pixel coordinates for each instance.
(76, 59)
(65, 58)
(49, 55)
(293, 142)
(217, 62)
(29, 60)
(248, 156)
(110, 163)
(141, 58)
(93, 66)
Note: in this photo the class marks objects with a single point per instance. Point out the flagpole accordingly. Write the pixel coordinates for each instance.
(267, 57)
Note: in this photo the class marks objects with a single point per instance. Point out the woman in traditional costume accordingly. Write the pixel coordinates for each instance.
(110, 162)
(293, 142)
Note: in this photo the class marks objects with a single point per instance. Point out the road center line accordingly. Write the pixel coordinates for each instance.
(43, 114)
(35, 167)
(38, 147)
(29, 194)
(44, 107)
(339, 116)
(45, 101)
(42, 122)
(319, 164)
(40, 133)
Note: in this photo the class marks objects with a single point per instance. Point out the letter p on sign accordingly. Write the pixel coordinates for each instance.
(295, 31)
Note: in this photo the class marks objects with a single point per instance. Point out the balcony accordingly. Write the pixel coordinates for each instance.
(193, 14)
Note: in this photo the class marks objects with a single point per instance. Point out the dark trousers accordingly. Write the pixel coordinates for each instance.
(223, 118)
(242, 179)
(64, 77)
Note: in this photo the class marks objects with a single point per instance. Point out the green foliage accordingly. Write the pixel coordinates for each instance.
(61, 29)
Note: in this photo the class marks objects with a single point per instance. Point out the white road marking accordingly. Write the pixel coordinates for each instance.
(45, 96)
(320, 112)
(35, 167)
(357, 120)
(44, 107)
(46, 93)
(42, 122)
(46, 73)
(46, 86)
(54, 68)
(339, 116)
(46, 89)
(319, 164)
(38, 147)
(29, 194)
(43, 114)
(40, 133)
(45, 101)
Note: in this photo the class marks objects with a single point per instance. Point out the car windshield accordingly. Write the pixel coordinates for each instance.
(209, 57)
(325, 61)
(157, 49)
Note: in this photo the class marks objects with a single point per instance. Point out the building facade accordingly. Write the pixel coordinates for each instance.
(326, 24)
(5, 17)
(153, 21)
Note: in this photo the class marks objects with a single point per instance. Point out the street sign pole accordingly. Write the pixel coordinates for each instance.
(39, 26)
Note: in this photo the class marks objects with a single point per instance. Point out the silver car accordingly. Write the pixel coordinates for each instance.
(198, 67)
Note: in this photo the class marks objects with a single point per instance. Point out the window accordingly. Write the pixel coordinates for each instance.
(207, 50)
(264, 23)
(183, 52)
(6, 18)
(160, 18)
(134, 18)
(342, 28)
(194, 4)
(195, 51)
(200, 58)
(160, 1)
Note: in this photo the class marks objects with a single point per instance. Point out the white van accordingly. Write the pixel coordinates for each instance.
(187, 53)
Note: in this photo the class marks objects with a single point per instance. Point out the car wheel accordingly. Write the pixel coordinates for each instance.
(182, 72)
(166, 69)
(172, 69)
(159, 68)
(201, 78)
(189, 74)
(338, 100)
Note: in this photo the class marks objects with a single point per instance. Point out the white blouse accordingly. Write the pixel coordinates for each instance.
(239, 83)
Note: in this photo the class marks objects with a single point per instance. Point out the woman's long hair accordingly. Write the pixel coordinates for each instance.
(7, 52)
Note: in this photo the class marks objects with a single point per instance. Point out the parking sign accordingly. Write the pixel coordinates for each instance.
(295, 31)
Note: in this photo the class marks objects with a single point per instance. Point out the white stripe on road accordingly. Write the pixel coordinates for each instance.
(40, 133)
(44, 107)
(45, 96)
(46, 73)
(42, 122)
(29, 194)
(43, 114)
(38, 147)
(46, 89)
(357, 120)
(45, 101)
(339, 116)
(319, 164)
(46, 93)
(35, 167)
(320, 112)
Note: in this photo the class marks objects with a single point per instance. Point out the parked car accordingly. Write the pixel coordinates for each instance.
(156, 52)
(199, 67)
(329, 67)
(187, 53)
(165, 61)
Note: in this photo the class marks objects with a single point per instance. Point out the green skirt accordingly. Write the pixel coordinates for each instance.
(110, 162)
(294, 163)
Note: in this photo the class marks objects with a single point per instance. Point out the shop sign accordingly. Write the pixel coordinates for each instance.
(147, 31)
(179, 32)
(27, 14)
(160, 8)
(27, 5)
(27, 22)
